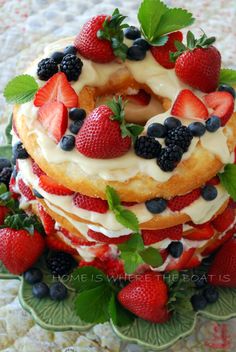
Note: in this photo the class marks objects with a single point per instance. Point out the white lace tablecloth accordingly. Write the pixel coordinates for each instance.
(25, 27)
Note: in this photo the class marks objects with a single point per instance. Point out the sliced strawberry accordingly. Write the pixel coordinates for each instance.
(129, 204)
(154, 236)
(181, 263)
(115, 268)
(50, 186)
(212, 247)
(36, 170)
(193, 262)
(142, 98)
(53, 116)
(179, 202)
(222, 104)
(199, 234)
(223, 221)
(214, 181)
(25, 190)
(100, 251)
(12, 188)
(164, 253)
(57, 88)
(75, 239)
(188, 105)
(97, 205)
(55, 243)
(162, 53)
(232, 204)
(98, 236)
(3, 213)
(47, 220)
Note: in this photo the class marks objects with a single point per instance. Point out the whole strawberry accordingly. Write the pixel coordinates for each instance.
(104, 134)
(147, 297)
(19, 249)
(101, 38)
(223, 269)
(198, 64)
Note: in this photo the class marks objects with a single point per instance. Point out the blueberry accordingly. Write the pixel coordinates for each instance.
(37, 194)
(172, 122)
(4, 163)
(19, 152)
(57, 56)
(213, 123)
(58, 291)
(209, 192)
(33, 275)
(156, 130)
(197, 129)
(199, 302)
(211, 294)
(175, 249)
(76, 126)
(136, 53)
(132, 33)
(201, 281)
(71, 49)
(156, 205)
(142, 42)
(226, 88)
(40, 290)
(67, 142)
(76, 114)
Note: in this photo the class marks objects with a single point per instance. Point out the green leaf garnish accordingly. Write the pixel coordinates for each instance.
(228, 76)
(228, 179)
(157, 19)
(135, 243)
(119, 315)
(152, 257)
(20, 89)
(86, 278)
(131, 261)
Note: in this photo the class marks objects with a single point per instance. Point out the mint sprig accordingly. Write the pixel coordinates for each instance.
(157, 20)
(20, 89)
(228, 76)
(228, 179)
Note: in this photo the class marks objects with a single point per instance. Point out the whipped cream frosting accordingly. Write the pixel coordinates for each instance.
(163, 82)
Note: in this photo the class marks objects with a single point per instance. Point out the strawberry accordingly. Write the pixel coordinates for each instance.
(12, 185)
(97, 205)
(222, 104)
(146, 297)
(25, 190)
(188, 105)
(75, 239)
(115, 268)
(104, 134)
(223, 221)
(3, 213)
(102, 238)
(182, 262)
(142, 98)
(36, 170)
(213, 181)
(53, 116)
(198, 64)
(213, 246)
(180, 202)
(153, 236)
(57, 88)
(95, 40)
(223, 269)
(162, 53)
(55, 243)
(19, 250)
(52, 187)
(193, 262)
(47, 220)
(200, 233)
(96, 263)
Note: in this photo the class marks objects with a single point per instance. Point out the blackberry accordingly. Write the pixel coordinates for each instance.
(180, 136)
(46, 69)
(4, 163)
(147, 147)
(5, 175)
(71, 65)
(170, 157)
(60, 263)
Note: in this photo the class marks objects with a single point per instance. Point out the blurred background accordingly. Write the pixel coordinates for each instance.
(25, 27)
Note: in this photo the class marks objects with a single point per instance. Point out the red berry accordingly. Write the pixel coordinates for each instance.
(179, 202)
(47, 220)
(50, 186)
(3, 213)
(98, 236)
(213, 246)
(142, 98)
(182, 262)
(153, 236)
(213, 181)
(223, 221)
(97, 205)
(36, 170)
(55, 243)
(75, 239)
(25, 190)
(222, 104)
(200, 233)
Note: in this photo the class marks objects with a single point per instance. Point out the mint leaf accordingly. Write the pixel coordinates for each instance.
(152, 256)
(173, 20)
(228, 76)
(87, 278)
(92, 305)
(119, 315)
(112, 198)
(135, 243)
(20, 89)
(228, 179)
(131, 261)
(127, 218)
(160, 41)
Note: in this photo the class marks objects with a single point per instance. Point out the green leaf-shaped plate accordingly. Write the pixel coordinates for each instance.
(60, 316)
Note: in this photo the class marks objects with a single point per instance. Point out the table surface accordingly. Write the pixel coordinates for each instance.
(25, 27)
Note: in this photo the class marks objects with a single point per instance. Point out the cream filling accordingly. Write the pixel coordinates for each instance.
(163, 82)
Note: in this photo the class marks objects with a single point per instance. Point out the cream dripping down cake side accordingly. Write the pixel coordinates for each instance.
(124, 143)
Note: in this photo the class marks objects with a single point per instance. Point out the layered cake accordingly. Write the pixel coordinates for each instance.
(127, 137)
